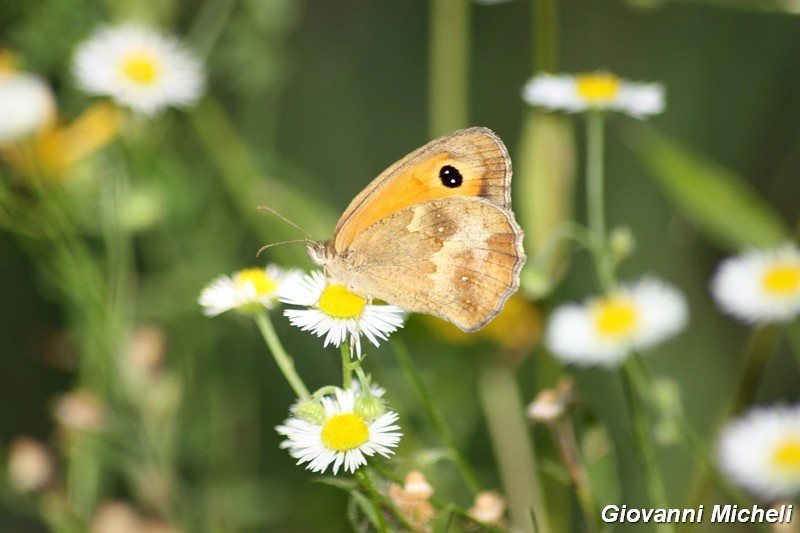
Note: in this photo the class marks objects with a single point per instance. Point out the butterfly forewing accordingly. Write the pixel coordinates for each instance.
(476, 156)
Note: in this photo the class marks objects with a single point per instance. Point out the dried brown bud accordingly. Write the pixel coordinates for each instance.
(412, 500)
(80, 410)
(489, 508)
(30, 465)
(115, 517)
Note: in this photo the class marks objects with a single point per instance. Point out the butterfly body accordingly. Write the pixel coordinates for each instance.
(434, 233)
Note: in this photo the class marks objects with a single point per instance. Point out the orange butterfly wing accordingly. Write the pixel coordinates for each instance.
(477, 155)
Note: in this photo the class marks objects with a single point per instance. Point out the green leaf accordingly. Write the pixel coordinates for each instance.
(723, 206)
(443, 521)
(366, 506)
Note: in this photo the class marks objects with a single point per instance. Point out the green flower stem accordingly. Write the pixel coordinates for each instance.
(386, 503)
(635, 385)
(513, 447)
(699, 450)
(564, 435)
(363, 380)
(347, 366)
(283, 359)
(363, 477)
(119, 252)
(760, 346)
(793, 332)
(208, 24)
(595, 195)
(545, 35)
(448, 65)
(436, 417)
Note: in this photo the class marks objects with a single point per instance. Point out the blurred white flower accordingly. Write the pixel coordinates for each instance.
(338, 314)
(760, 285)
(138, 68)
(604, 330)
(26, 105)
(761, 452)
(248, 291)
(342, 436)
(598, 90)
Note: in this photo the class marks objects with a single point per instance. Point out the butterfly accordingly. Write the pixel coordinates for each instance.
(434, 233)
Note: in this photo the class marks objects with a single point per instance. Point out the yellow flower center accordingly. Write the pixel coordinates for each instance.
(597, 88)
(141, 67)
(782, 280)
(339, 302)
(344, 432)
(258, 278)
(615, 317)
(787, 456)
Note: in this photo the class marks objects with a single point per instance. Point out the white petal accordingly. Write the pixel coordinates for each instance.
(26, 105)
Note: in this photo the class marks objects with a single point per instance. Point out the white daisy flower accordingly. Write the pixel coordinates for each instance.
(760, 285)
(337, 314)
(597, 90)
(342, 436)
(248, 291)
(604, 330)
(761, 452)
(139, 68)
(26, 105)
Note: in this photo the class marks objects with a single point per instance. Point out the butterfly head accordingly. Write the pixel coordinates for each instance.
(318, 252)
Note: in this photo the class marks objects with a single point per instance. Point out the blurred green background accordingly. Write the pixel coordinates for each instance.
(311, 100)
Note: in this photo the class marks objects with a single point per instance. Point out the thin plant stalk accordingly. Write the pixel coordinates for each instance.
(634, 386)
(513, 447)
(347, 366)
(635, 389)
(545, 35)
(695, 445)
(448, 65)
(464, 468)
(595, 195)
(363, 477)
(283, 359)
(793, 334)
(564, 435)
(760, 346)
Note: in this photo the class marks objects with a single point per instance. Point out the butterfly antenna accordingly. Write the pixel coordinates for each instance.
(276, 244)
(270, 210)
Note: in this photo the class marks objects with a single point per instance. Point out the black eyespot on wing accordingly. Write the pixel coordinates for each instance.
(450, 177)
